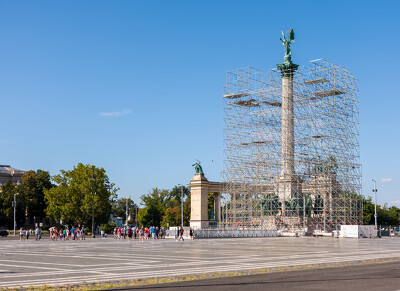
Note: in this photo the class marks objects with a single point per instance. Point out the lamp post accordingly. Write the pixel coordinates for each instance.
(15, 207)
(376, 216)
(136, 215)
(126, 211)
(93, 193)
(181, 204)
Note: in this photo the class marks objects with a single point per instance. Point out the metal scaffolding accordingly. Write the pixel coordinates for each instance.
(324, 191)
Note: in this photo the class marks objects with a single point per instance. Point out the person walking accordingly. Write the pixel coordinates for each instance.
(177, 234)
(129, 233)
(191, 234)
(27, 234)
(181, 234)
(142, 235)
(21, 234)
(83, 232)
(37, 233)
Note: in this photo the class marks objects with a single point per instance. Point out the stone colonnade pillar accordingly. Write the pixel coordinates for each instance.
(199, 188)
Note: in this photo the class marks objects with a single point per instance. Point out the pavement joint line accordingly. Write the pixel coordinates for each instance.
(287, 254)
(31, 267)
(239, 273)
(151, 274)
(63, 264)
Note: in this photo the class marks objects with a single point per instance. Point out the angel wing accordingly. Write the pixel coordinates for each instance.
(283, 35)
(291, 35)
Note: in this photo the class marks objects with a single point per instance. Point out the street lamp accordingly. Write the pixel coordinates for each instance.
(376, 216)
(136, 215)
(15, 207)
(181, 203)
(93, 193)
(126, 210)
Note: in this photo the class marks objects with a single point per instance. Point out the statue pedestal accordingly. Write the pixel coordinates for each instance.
(199, 186)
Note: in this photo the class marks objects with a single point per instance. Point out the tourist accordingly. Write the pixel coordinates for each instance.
(191, 233)
(37, 233)
(177, 234)
(181, 234)
(83, 234)
(27, 234)
(153, 232)
(141, 234)
(21, 234)
(129, 233)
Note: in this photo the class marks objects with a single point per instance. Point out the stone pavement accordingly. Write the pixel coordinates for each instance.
(97, 260)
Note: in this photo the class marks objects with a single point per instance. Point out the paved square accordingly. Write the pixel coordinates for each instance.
(71, 262)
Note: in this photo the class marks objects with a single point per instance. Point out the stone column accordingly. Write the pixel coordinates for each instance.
(289, 184)
(199, 186)
(287, 126)
(217, 206)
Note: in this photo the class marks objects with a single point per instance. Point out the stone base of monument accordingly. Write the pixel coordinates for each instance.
(200, 188)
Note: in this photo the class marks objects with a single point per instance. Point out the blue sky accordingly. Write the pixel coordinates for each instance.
(135, 86)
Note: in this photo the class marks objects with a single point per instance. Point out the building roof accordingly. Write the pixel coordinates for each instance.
(8, 171)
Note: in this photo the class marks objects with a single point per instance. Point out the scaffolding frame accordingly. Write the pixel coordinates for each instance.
(326, 150)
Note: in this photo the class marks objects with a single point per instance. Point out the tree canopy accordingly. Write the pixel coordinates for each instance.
(71, 200)
(118, 208)
(30, 199)
(163, 207)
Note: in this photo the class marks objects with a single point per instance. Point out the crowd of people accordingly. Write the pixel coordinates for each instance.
(29, 232)
(75, 233)
(140, 233)
(126, 232)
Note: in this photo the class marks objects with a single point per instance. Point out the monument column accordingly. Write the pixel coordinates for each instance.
(287, 126)
(288, 182)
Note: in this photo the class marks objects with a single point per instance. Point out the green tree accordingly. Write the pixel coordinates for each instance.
(7, 191)
(388, 216)
(172, 217)
(108, 227)
(71, 200)
(187, 209)
(119, 208)
(162, 207)
(31, 189)
(155, 205)
(174, 197)
(368, 211)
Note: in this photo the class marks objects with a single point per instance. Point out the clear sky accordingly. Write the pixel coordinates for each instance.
(135, 86)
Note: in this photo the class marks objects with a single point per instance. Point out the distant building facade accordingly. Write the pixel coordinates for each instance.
(7, 173)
